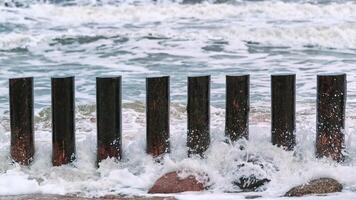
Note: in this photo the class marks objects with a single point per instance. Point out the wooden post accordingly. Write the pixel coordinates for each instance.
(157, 112)
(198, 138)
(21, 120)
(108, 102)
(331, 100)
(283, 111)
(237, 107)
(63, 124)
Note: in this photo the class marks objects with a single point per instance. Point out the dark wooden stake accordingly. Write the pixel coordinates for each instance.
(237, 107)
(63, 124)
(21, 120)
(108, 99)
(157, 112)
(283, 111)
(331, 100)
(198, 138)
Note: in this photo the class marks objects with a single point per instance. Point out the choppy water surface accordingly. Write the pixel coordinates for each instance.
(137, 39)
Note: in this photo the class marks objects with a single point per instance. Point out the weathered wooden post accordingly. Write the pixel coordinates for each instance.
(237, 107)
(198, 138)
(63, 124)
(331, 100)
(108, 110)
(21, 120)
(157, 115)
(283, 110)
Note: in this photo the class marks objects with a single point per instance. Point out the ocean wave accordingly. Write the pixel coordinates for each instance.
(250, 10)
(270, 23)
(341, 35)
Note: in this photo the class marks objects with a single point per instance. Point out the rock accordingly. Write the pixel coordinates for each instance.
(253, 196)
(250, 183)
(252, 173)
(14, 3)
(317, 186)
(192, 1)
(172, 183)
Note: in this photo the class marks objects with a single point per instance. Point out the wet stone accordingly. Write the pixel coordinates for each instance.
(317, 186)
(172, 183)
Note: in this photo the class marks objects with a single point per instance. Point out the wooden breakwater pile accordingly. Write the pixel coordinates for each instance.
(331, 99)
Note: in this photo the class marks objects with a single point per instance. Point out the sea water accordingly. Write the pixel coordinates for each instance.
(140, 38)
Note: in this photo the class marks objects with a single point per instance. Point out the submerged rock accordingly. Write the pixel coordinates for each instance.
(172, 183)
(253, 196)
(252, 173)
(317, 186)
(13, 3)
(192, 1)
(250, 183)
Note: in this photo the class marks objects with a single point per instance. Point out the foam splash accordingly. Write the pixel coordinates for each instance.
(136, 173)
